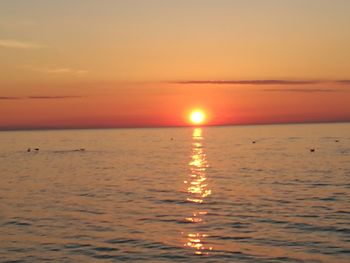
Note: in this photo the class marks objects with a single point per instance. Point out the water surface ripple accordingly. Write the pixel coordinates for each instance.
(176, 194)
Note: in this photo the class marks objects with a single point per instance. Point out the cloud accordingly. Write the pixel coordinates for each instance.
(277, 82)
(39, 97)
(10, 98)
(12, 43)
(265, 82)
(56, 70)
(61, 70)
(303, 90)
(52, 97)
(250, 82)
(343, 81)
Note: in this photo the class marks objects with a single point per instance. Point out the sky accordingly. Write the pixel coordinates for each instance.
(145, 63)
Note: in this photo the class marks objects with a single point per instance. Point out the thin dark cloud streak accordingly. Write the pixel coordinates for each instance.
(343, 81)
(302, 90)
(277, 82)
(52, 97)
(39, 97)
(262, 82)
(9, 98)
(250, 82)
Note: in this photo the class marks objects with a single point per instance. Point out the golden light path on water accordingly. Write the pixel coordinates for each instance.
(198, 190)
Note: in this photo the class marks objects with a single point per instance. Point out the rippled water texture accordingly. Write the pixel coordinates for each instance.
(176, 194)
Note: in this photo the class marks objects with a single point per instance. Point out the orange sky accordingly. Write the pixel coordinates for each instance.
(164, 104)
(126, 64)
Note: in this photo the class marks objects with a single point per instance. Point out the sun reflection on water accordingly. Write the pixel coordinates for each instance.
(198, 190)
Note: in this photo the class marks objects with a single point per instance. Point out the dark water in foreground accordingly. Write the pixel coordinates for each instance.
(207, 195)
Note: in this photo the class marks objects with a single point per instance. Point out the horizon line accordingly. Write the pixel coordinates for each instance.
(170, 126)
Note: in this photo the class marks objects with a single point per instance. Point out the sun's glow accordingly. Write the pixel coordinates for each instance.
(197, 117)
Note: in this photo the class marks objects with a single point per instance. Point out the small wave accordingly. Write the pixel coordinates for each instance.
(75, 245)
(314, 228)
(17, 223)
(122, 241)
(89, 211)
(105, 249)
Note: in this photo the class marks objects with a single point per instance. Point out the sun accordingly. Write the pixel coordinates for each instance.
(197, 117)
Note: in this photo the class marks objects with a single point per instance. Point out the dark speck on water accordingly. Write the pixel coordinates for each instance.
(207, 197)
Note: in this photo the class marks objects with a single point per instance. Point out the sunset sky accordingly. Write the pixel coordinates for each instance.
(132, 63)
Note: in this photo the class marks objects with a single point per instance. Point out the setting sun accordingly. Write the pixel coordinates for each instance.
(197, 117)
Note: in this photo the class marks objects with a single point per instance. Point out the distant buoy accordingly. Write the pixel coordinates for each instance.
(253, 141)
(28, 150)
(312, 150)
(336, 140)
(36, 149)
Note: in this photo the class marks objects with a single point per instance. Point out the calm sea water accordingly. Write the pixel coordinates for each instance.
(176, 194)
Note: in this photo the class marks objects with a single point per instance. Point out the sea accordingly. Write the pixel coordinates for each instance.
(263, 193)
